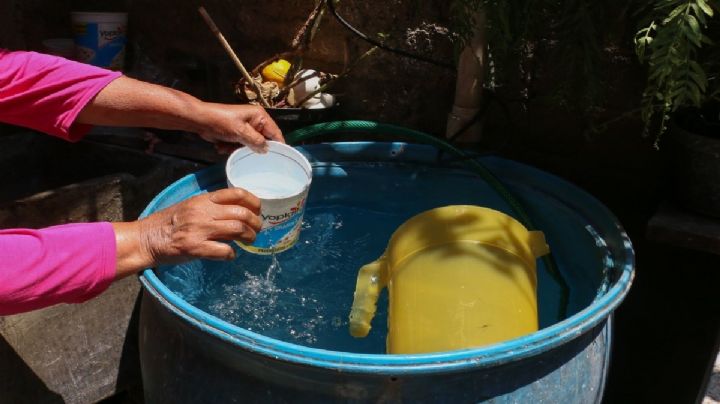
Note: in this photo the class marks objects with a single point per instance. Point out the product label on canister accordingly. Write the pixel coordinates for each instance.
(101, 44)
(280, 229)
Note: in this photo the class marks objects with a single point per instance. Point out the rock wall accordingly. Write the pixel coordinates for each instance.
(171, 44)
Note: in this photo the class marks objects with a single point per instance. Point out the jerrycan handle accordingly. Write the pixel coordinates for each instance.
(371, 279)
(537, 243)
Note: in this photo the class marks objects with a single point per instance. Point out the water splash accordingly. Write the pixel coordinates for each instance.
(302, 295)
(273, 269)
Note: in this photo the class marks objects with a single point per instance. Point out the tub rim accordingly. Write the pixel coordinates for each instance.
(402, 364)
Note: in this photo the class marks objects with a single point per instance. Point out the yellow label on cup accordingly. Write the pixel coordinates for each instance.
(281, 180)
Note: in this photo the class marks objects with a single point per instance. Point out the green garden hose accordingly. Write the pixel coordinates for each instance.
(387, 130)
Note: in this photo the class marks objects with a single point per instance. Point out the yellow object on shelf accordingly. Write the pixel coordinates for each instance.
(276, 71)
(457, 276)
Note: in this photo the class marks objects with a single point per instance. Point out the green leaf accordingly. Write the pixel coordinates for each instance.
(695, 95)
(675, 59)
(693, 36)
(675, 93)
(699, 14)
(692, 30)
(673, 14)
(705, 7)
(694, 7)
(660, 53)
(695, 67)
(660, 74)
(693, 23)
(699, 79)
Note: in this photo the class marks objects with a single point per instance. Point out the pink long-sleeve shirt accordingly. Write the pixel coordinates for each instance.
(60, 264)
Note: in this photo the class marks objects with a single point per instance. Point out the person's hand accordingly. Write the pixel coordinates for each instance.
(190, 229)
(228, 126)
(130, 102)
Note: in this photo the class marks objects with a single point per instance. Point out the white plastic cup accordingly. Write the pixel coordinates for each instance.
(281, 180)
(100, 38)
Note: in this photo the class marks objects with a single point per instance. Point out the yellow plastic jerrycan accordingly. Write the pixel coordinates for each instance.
(458, 277)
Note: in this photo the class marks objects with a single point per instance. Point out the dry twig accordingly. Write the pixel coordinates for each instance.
(209, 21)
(303, 38)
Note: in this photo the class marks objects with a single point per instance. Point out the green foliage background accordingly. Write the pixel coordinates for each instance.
(675, 39)
(676, 43)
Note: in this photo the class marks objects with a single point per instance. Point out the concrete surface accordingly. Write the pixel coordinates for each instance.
(80, 353)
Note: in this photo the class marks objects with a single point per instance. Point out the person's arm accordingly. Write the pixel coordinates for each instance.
(46, 93)
(76, 262)
(64, 98)
(129, 102)
(73, 263)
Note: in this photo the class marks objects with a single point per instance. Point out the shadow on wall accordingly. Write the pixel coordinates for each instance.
(19, 383)
(128, 378)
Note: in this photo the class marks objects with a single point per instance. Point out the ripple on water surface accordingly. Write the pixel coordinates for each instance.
(305, 295)
(302, 295)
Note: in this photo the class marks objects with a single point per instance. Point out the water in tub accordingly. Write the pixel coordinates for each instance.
(270, 185)
(303, 295)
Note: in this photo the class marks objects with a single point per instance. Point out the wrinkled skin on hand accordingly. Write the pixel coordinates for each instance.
(228, 126)
(194, 228)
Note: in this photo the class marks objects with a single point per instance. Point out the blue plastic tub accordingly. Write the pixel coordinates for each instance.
(191, 356)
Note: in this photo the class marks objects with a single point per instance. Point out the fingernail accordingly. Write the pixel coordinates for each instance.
(260, 149)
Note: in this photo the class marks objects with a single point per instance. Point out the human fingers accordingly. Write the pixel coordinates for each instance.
(264, 124)
(238, 214)
(252, 138)
(215, 250)
(232, 230)
(236, 196)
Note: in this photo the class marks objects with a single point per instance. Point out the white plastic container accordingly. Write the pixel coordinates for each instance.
(100, 38)
(281, 179)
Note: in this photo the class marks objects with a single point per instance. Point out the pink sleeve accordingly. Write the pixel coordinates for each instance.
(46, 93)
(61, 264)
